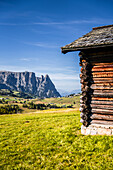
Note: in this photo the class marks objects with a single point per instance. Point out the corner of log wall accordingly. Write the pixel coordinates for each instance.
(96, 103)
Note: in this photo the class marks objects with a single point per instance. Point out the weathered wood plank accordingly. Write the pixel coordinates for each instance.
(103, 91)
(102, 80)
(97, 73)
(101, 74)
(102, 111)
(101, 64)
(99, 106)
(101, 102)
(102, 86)
(102, 98)
(103, 69)
(101, 122)
(102, 94)
(101, 117)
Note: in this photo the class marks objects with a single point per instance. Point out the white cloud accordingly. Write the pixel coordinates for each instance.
(87, 21)
(12, 68)
(25, 59)
(43, 69)
(67, 85)
(61, 76)
(41, 44)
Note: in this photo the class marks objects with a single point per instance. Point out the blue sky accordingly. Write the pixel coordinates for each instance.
(32, 32)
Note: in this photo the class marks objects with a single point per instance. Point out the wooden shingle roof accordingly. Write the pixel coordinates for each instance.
(98, 37)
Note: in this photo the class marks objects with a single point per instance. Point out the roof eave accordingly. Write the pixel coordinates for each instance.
(66, 50)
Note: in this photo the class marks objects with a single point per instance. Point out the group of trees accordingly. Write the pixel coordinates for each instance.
(3, 101)
(10, 109)
(32, 105)
(39, 106)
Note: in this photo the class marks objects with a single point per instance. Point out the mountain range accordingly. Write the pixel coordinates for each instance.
(28, 82)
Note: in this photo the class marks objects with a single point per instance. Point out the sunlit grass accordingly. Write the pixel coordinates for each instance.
(51, 140)
(75, 101)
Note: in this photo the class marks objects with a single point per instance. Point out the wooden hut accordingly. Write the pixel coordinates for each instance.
(96, 61)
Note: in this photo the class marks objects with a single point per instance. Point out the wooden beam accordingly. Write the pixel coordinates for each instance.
(103, 91)
(99, 69)
(102, 94)
(102, 111)
(99, 106)
(102, 86)
(101, 64)
(101, 122)
(101, 117)
(101, 102)
(101, 75)
(103, 98)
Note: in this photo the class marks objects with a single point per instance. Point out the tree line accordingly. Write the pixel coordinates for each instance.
(10, 109)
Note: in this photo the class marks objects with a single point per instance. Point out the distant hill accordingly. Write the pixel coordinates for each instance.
(66, 93)
(27, 82)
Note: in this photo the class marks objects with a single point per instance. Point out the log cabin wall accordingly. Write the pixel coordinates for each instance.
(97, 87)
(96, 60)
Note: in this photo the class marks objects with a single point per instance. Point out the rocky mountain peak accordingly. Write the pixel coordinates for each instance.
(28, 82)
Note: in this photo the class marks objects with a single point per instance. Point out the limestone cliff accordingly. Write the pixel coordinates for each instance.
(28, 82)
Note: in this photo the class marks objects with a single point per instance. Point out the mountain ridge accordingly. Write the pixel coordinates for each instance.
(28, 82)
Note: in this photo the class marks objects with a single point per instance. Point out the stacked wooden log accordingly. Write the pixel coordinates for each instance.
(85, 87)
(97, 88)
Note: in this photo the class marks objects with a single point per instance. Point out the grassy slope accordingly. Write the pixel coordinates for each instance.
(75, 101)
(51, 141)
(63, 100)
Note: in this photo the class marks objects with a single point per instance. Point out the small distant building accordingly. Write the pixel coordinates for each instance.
(96, 61)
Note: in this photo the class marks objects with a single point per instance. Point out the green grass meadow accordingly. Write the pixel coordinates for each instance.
(51, 140)
(75, 101)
